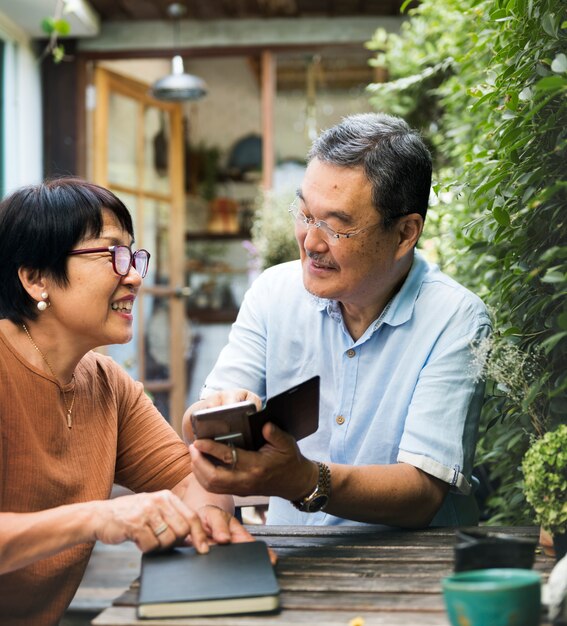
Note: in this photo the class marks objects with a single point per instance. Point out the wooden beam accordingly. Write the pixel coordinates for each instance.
(177, 269)
(268, 100)
(154, 37)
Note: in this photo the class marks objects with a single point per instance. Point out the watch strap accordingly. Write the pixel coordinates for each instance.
(318, 498)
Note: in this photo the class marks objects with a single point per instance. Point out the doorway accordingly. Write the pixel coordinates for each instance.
(137, 144)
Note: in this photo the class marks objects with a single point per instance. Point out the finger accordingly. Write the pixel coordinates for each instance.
(145, 537)
(214, 478)
(197, 535)
(240, 395)
(219, 451)
(187, 523)
(163, 527)
(229, 396)
(203, 469)
(217, 522)
(177, 515)
(273, 556)
(276, 436)
(238, 534)
(201, 463)
(252, 397)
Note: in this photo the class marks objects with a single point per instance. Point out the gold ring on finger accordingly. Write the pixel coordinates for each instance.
(160, 529)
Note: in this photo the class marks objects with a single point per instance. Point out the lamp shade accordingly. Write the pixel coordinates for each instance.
(178, 85)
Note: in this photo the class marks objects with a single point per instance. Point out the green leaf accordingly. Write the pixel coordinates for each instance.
(549, 24)
(58, 53)
(552, 341)
(48, 25)
(501, 216)
(562, 320)
(498, 14)
(553, 275)
(551, 83)
(512, 331)
(62, 27)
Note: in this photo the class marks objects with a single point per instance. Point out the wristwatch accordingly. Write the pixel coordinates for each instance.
(317, 500)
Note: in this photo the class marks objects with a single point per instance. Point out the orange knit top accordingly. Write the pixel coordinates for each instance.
(118, 436)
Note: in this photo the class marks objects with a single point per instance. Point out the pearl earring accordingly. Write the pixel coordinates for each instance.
(42, 304)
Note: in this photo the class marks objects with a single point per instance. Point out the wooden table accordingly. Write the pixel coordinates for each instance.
(332, 575)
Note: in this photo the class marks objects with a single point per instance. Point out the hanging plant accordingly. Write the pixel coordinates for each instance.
(55, 27)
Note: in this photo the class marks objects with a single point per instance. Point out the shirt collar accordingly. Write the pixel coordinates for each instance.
(403, 303)
(400, 309)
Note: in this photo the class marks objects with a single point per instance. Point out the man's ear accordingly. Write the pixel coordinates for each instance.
(409, 229)
(33, 281)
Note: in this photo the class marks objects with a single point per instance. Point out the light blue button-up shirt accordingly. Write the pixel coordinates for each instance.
(406, 391)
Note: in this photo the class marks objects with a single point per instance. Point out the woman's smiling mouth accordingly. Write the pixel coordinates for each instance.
(123, 306)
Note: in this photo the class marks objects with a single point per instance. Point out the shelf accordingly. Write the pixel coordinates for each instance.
(216, 236)
(215, 271)
(213, 316)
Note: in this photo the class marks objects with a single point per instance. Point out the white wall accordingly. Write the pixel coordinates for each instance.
(23, 145)
(231, 110)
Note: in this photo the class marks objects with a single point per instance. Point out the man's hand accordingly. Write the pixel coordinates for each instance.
(218, 398)
(277, 469)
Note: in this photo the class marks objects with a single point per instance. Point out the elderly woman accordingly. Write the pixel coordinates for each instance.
(72, 422)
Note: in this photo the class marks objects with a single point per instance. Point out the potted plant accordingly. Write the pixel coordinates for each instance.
(545, 484)
(272, 229)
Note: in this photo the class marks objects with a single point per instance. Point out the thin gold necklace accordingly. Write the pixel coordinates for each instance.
(69, 407)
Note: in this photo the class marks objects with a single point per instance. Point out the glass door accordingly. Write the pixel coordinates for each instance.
(138, 154)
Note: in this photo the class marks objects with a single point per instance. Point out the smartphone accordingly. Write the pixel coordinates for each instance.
(226, 424)
(295, 410)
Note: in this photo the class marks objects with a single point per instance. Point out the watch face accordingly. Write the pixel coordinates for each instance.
(318, 503)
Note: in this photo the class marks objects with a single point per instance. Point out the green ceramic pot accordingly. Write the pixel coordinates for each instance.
(493, 597)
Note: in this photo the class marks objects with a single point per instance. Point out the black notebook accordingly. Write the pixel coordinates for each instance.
(231, 578)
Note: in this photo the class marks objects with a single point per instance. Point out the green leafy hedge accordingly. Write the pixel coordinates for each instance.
(486, 81)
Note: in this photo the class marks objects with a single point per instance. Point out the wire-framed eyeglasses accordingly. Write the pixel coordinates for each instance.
(122, 258)
(330, 234)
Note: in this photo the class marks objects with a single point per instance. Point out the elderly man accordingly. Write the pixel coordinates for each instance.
(387, 332)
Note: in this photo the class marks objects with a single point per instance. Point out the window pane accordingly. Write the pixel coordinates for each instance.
(122, 148)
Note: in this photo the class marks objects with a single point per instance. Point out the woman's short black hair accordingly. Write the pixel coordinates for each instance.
(40, 225)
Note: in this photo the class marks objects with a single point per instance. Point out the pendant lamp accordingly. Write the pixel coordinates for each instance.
(178, 86)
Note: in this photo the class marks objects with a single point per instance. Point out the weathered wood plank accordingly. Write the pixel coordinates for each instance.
(358, 601)
(380, 584)
(366, 553)
(348, 568)
(375, 530)
(126, 616)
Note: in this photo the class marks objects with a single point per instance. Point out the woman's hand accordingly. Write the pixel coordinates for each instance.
(221, 526)
(150, 520)
(212, 516)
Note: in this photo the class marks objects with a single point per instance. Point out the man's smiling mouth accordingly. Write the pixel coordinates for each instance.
(319, 262)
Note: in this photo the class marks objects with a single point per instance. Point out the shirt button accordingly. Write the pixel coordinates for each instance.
(340, 420)
(350, 353)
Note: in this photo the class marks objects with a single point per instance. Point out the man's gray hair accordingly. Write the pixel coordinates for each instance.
(395, 159)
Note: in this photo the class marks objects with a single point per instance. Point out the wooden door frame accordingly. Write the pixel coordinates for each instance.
(106, 81)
